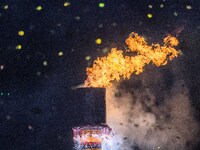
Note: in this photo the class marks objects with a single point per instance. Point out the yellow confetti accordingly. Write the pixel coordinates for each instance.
(5, 7)
(39, 8)
(21, 33)
(149, 16)
(60, 53)
(19, 47)
(66, 4)
(98, 41)
(101, 5)
(88, 58)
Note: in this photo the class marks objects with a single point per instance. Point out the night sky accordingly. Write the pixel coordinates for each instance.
(46, 45)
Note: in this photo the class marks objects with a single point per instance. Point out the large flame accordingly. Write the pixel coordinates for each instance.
(115, 66)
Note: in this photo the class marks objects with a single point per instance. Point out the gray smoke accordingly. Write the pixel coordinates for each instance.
(152, 111)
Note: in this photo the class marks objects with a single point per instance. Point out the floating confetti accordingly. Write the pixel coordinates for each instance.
(150, 6)
(175, 14)
(77, 18)
(188, 7)
(39, 8)
(60, 53)
(21, 33)
(98, 41)
(161, 5)
(8, 117)
(101, 5)
(88, 58)
(1, 67)
(30, 127)
(38, 73)
(18, 47)
(66, 4)
(45, 63)
(149, 15)
(5, 7)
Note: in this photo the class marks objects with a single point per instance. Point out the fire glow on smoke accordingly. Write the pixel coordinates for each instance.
(115, 66)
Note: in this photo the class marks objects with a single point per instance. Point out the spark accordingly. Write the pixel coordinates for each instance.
(60, 53)
(101, 5)
(150, 6)
(88, 58)
(38, 8)
(45, 63)
(161, 5)
(66, 4)
(98, 41)
(149, 16)
(188, 7)
(5, 7)
(21, 33)
(175, 14)
(18, 47)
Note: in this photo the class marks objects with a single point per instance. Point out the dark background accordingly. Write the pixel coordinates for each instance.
(36, 106)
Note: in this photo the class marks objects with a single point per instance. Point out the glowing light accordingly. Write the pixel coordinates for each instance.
(18, 47)
(188, 7)
(1, 93)
(77, 18)
(1, 67)
(149, 16)
(98, 41)
(8, 94)
(88, 58)
(101, 5)
(150, 6)
(45, 63)
(161, 5)
(5, 7)
(175, 14)
(21, 33)
(66, 4)
(38, 8)
(116, 66)
(60, 53)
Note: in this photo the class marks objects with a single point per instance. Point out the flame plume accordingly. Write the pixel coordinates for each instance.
(115, 66)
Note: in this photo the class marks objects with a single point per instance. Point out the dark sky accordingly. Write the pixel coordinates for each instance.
(46, 45)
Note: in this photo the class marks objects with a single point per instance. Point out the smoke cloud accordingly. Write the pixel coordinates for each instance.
(152, 111)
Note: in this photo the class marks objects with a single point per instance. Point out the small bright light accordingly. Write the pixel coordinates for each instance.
(88, 58)
(45, 63)
(98, 41)
(66, 4)
(1, 93)
(101, 5)
(5, 7)
(150, 6)
(149, 15)
(188, 7)
(19, 47)
(161, 5)
(60, 53)
(1, 67)
(39, 8)
(21, 33)
(175, 14)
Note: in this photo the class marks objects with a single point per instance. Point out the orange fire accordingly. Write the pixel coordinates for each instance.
(115, 66)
